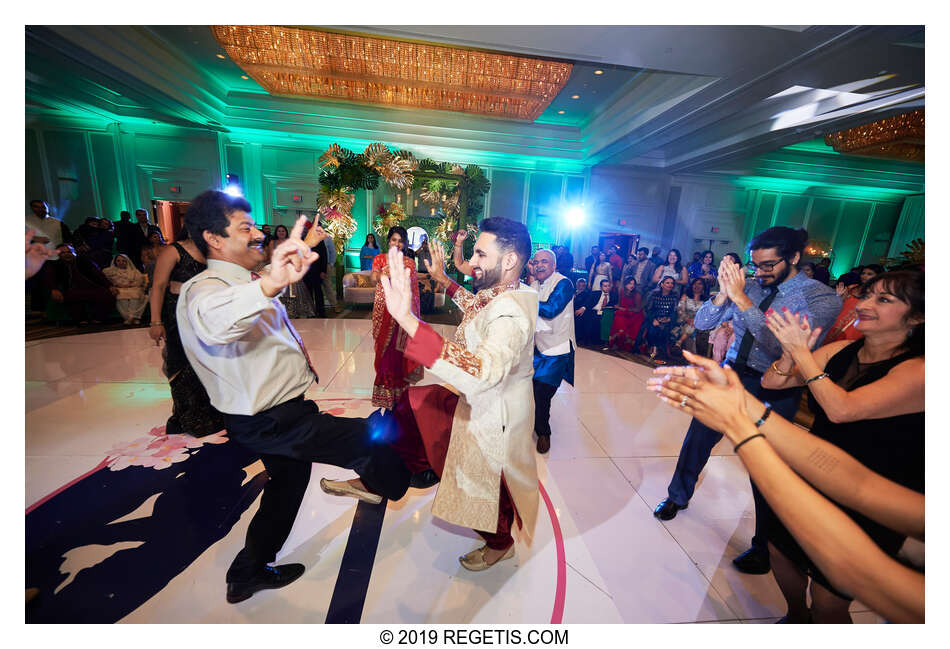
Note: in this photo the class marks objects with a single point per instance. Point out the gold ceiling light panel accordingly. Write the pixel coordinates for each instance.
(900, 137)
(312, 63)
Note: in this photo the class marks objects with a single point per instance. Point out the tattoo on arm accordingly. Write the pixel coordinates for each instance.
(823, 461)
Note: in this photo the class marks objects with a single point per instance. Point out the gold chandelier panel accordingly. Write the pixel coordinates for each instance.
(900, 137)
(312, 63)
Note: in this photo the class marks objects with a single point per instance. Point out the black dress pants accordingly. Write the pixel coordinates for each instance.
(543, 393)
(290, 437)
(313, 282)
(700, 440)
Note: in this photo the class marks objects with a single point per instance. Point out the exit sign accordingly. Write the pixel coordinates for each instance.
(174, 189)
(714, 229)
(297, 198)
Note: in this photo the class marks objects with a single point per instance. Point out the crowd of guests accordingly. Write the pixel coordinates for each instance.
(108, 271)
(653, 301)
(833, 506)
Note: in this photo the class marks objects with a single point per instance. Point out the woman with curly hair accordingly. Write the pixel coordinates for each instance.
(868, 400)
(685, 331)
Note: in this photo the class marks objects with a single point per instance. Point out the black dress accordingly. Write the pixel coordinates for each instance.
(890, 446)
(192, 411)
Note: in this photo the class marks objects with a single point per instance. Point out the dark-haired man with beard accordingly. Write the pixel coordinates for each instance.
(477, 436)
(777, 285)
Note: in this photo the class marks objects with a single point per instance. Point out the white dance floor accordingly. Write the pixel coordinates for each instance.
(94, 401)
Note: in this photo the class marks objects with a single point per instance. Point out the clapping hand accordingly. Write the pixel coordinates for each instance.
(435, 266)
(792, 330)
(730, 279)
(290, 261)
(397, 287)
(713, 395)
(36, 254)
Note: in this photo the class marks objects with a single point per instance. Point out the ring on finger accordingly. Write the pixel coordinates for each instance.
(683, 401)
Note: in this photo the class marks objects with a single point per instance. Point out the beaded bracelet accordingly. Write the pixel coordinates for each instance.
(765, 415)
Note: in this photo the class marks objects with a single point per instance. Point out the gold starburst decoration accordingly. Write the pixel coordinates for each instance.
(376, 155)
(339, 226)
(330, 156)
(397, 173)
(450, 204)
(341, 200)
(393, 216)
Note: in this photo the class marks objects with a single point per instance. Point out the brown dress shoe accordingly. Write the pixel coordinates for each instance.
(544, 443)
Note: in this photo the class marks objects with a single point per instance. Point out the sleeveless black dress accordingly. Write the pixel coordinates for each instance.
(192, 411)
(890, 446)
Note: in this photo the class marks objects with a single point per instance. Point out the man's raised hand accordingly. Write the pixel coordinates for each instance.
(290, 261)
(315, 235)
(436, 267)
(397, 288)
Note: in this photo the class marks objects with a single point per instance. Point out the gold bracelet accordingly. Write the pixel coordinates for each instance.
(780, 372)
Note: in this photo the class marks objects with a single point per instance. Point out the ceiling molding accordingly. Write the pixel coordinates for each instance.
(712, 100)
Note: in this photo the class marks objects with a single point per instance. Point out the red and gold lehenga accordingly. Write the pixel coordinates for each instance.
(394, 372)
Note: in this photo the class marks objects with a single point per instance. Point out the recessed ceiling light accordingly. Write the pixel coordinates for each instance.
(598, 71)
(244, 76)
(560, 112)
(221, 56)
(575, 96)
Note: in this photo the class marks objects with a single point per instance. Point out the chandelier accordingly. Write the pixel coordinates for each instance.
(900, 137)
(329, 65)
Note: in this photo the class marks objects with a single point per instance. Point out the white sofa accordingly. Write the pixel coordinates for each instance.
(353, 294)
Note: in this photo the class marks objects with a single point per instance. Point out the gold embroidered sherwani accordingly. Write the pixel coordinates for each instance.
(490, 365)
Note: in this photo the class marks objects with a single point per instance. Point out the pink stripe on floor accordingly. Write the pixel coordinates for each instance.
(69, 484)
(561, 588)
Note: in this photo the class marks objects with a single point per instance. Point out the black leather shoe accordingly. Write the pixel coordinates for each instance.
(667, 509)
(423, 479)
(752, 562)
(544, 443)
(268, 577)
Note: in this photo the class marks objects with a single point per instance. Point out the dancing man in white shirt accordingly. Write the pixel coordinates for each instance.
(252, 362)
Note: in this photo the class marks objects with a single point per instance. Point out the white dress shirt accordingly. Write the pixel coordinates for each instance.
(601, 303)
(239, 341)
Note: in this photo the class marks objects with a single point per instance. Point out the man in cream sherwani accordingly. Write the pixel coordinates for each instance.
(477, 433)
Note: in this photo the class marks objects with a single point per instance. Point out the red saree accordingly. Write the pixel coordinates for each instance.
(394, 372)
(627, 323)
